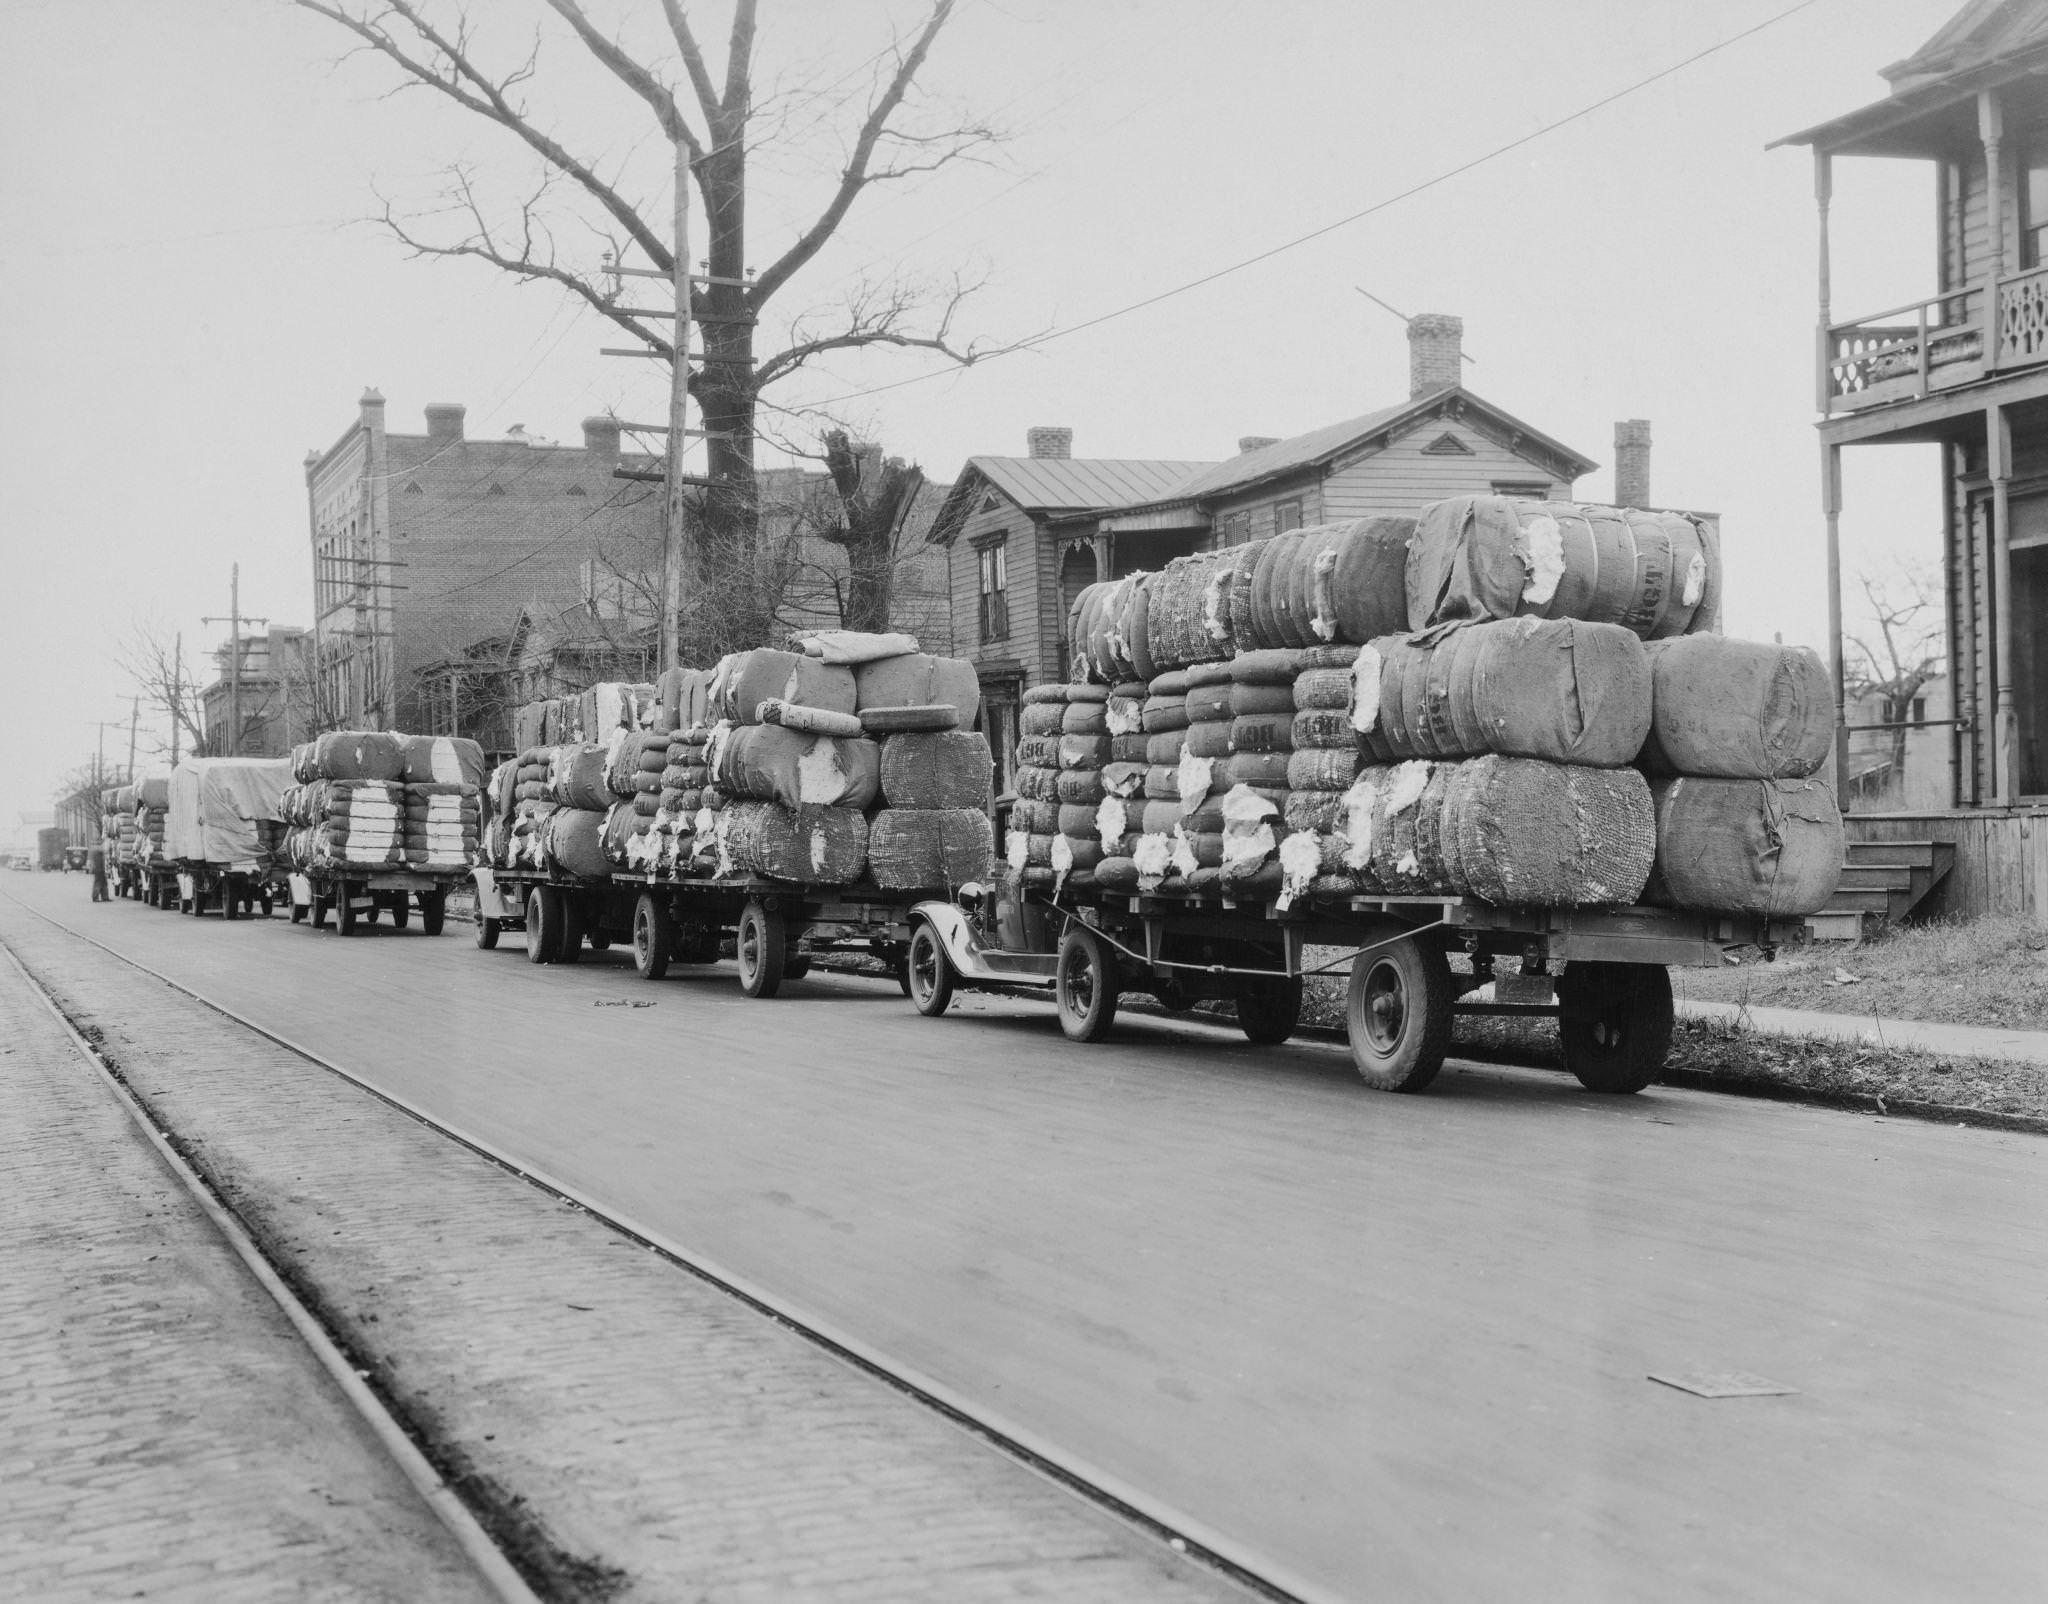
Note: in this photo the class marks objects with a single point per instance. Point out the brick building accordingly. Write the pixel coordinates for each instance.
(1026, 534)
(276, 693)
(428, 549)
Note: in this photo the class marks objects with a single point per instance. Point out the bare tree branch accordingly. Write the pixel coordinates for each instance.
(693, 60)
(466, 85)
(634, 76)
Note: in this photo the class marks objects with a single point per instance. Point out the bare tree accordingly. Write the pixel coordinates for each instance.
(1901, 644)
(151, 659)
(713, 129)
(876, 495)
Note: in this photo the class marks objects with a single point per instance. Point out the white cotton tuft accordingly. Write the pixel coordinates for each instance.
(1215, 615)
(1695, 581)
(1154, 858)
(1545, 539)
(1184, 852)
(1125, 715)
(1197, 774)
(1247, 844)
(1112, 823)
(1365, 690)
(1359, 804)
(1301, 859)
(1017, 850)
(1410, 779)
(1324, 620)
(1245, 807)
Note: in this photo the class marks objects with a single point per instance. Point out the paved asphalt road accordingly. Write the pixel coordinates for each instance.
(1376, 1347)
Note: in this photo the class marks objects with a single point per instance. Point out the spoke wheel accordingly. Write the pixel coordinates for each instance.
(433, 911)
(1398, 1015)
(1614, 1022)
(653, 937)
(1268, 1008)
(1085, 984)
(762, 948)
(928, 974)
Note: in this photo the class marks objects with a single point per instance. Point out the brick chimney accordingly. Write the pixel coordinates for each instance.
(1434, 342)
(371, 408)
(1632, 462)
(1255, 442)
(444, 422)
(601, 438)
(1048, 441)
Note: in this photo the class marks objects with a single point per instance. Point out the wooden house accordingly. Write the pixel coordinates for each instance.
(1026, 534)
(1965, 368)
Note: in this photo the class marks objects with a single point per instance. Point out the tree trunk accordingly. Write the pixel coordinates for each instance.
(875, 496)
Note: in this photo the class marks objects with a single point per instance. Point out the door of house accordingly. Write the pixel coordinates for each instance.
(2029, 651)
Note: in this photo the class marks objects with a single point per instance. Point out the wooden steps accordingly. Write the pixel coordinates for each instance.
(1882, 882)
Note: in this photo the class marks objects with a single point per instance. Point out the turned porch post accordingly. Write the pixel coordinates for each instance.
(1831, 505)
(2005, 745)
(1823, 193)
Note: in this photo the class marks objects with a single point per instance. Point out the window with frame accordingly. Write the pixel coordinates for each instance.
(993, 612)
(1523, 489)
(1237, 528)
(1286, 515)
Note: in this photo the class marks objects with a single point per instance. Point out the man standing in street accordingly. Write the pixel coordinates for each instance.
(96, 865)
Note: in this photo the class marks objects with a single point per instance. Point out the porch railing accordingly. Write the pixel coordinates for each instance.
(1873, 359)
(1935, 344)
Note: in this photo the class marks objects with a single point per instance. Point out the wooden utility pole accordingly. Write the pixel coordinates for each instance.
(672, 531)
(234, 623)
(177, 691)
(134, 713)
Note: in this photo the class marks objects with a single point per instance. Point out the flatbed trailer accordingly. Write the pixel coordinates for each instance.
(231, 890)
(356, 895)
(1602, 973)
(776, 926)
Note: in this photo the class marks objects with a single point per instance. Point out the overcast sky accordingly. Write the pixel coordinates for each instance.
(190, 298)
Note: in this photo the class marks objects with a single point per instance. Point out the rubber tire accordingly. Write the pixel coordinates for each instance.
(268, 903)
(1614, 1023)
(321, 908)
(1397, 1015)
(1268, 1010)
(1085, 984)
(600, 940)
(229, 899)
(345, 915)
(795, 965)
(543, 924)
(570, 949)
(298, 913)
(400, 913)
(927, 972)
(762, 948)
(487, 931)
(653, 937)
(433, 912)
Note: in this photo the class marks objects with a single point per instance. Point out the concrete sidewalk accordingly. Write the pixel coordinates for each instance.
(1961, 1041)
(168, 1434)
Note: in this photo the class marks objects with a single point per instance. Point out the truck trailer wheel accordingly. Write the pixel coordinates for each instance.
(1398, 1014)
(928, 973)
(433, 911)
(653, 937)
(544, 917)
(487, 932)
(1268, 1008)
(762, 948)
(1085, 984)
(1614, 1021)
(346, 915)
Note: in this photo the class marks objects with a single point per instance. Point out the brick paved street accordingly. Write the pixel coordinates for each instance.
(629, 1431)
(167, 1435)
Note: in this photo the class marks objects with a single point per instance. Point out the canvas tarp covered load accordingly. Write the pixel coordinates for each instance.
(1657, 574)
(217, 808)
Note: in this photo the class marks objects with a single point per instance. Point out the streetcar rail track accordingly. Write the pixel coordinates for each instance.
(1185, 1535)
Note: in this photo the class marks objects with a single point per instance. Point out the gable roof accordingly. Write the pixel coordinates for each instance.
(1060, 484)
(1932, 102)
(1333, 440)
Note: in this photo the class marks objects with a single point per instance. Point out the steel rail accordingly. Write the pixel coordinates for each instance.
(1186, 1535)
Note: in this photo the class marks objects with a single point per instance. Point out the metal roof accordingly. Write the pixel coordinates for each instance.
(1042, 483)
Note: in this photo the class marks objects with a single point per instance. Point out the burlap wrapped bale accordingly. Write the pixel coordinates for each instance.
(929, 849)
(442, 759)
(572, 842)
(1079, 786)
(1164, 713)
(1034, 817)
(918, 679)
(811, 845)
(1208, 738)
(1085, 718)
(1262, 732)
(1317, 728)
(1769, 848)
(1084, 751)
(812, 720)
(1162, 782)
(1038, 751)
(1560, 690)
(575, 778)
(1273, 581)
(1357, 578)
(1210, 703)
(1522, 833)
(1078, 818)
(768, 763)
(1038, 782)
(1227, 604)
(1317, 812)
(943, 771)
(529, 725)
(1656, 574)
(1166, 747)
(1177, 624)
(1266, 770)
(1323, 688)
(1041, 718)
(1125, 779)
(1742, 710)
(359, 755)
(1323, 768)
(1159, 818)
(921, 717)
